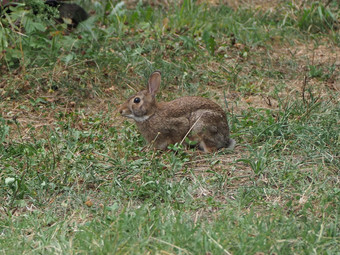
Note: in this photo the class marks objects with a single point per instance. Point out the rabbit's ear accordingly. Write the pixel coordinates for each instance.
(154, 83)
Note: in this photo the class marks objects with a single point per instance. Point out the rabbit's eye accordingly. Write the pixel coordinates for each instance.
(136, 100)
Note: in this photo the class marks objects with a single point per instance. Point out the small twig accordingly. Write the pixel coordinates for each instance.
(191, 128)
(267, 100)
(304, 85)
(153, 141)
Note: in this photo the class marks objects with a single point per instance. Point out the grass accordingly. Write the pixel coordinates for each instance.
(76, 178)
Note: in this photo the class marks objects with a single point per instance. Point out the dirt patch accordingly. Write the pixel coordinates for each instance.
(257, 4)
(304, 66)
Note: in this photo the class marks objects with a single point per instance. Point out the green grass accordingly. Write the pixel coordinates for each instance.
(76, 178)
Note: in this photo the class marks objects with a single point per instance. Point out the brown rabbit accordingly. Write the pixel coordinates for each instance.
(164, 123)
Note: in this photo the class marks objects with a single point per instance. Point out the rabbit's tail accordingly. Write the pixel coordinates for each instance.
(231, 144)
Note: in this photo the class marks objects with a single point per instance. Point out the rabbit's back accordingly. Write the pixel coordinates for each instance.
(187, 105)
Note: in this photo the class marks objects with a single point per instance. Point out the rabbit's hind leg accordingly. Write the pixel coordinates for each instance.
(206, 141)
(207, 146)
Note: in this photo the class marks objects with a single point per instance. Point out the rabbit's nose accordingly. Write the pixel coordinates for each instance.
(121, 110)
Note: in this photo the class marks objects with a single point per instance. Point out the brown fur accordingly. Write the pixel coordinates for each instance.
(167, 123)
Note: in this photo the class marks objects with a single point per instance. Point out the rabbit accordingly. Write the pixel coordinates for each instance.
(164, 123)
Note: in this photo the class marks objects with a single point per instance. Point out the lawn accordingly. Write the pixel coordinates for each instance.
(78, 178)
